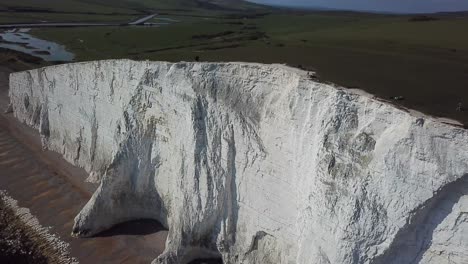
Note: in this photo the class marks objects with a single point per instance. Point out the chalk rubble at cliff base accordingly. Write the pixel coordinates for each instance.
(253, 163)
(26, 236)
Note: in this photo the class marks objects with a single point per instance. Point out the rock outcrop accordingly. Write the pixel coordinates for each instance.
(254, 163)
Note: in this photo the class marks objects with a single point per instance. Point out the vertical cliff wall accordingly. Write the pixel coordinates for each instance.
(254, 163)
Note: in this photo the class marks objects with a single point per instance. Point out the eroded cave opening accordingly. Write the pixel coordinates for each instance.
(202, 256)
(152, 228)
(140, 227)
(207, 261)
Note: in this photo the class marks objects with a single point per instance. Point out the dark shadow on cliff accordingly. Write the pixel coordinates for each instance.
(412, 241)
(136, 227)
(206, 261)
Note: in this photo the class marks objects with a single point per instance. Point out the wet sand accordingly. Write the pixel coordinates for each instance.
(55, 191)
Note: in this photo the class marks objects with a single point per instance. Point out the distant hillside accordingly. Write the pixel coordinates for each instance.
(121, 6)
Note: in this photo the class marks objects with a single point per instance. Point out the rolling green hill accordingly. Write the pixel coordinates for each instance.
(34, 11)
(422, 60)
(120, 6)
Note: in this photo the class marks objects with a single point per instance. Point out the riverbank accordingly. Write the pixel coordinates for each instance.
(21, 41)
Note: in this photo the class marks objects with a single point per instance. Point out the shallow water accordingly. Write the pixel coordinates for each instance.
(55, 200)
(20, 40)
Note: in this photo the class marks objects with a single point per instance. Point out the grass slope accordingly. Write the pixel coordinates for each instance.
(60, 6)
(121, 6)
(33, 11)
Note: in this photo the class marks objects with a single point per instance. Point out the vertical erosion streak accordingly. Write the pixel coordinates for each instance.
(231, 192)
(199, 116)
(44, 129)
(94, 134)
(413, 240)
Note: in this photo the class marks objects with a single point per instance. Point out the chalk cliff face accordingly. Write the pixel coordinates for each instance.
(253, 163)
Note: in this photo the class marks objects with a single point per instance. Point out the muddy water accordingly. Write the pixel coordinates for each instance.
(54, 192)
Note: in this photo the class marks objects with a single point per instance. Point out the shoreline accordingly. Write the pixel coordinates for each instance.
(54, 191)
(24, 240)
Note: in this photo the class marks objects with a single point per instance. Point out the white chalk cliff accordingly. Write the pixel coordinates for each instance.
(254, 163)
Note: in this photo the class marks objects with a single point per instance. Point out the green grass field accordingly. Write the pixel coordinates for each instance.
(12, 11)
(73, 6)
(60, 17)
(425, 62)
(121, 11)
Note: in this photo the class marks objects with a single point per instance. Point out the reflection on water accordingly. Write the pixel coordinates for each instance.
(20, 40)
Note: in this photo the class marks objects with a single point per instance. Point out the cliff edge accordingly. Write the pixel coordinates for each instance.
(253, 163)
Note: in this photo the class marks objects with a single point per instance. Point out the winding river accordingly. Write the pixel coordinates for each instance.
(20, 40)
